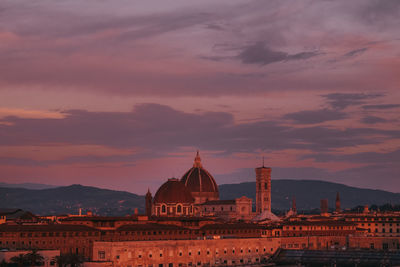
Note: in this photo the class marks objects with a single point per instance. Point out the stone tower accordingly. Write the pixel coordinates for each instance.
(263, 190)
(324, 207)
(149, 203)
(294, 208)
(338, 209)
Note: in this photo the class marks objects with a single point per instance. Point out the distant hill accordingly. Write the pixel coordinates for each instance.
(308, 194)
(69, 199)
(27, 185)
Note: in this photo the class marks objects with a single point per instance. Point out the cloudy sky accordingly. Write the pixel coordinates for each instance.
(120, 94)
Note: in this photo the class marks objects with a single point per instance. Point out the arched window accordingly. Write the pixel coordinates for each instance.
(179, 208)
(163, 208)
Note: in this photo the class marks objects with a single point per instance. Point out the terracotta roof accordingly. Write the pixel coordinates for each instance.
(173, 191)
(184, 218)
(149, 226)
(232, 226)
(45, 228)
(328, 223)
(100, 218)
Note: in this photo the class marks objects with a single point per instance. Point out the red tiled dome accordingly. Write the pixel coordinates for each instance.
(173, 191)
(197, 179)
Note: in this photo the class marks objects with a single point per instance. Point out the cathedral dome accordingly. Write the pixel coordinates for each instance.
(200, 182)
(173, 191)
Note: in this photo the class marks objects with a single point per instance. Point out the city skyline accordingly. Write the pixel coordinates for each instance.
(121, 94)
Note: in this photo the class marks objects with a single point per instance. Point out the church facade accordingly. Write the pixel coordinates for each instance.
(197, 194)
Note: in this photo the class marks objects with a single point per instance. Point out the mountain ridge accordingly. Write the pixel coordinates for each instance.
(69, 199)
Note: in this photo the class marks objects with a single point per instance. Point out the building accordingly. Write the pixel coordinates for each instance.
(186, 253)
(65, 238)
(196, 194)
(237, 209)
(385, 224)
(319, 228)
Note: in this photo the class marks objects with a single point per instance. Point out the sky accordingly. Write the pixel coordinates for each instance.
(120, 94)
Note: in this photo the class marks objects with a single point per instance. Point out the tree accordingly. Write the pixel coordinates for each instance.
(20, 260)
(34, 258)
(61, 260)
(74, 260)
(70, 259)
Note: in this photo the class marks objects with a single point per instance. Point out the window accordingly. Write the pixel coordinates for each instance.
(179, 209)
(163, 209)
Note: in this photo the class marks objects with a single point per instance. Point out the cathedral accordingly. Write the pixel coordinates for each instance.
(196, 194)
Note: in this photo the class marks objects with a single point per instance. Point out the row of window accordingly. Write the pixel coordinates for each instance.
(383, 224)
(196, 232)
(321, 228)
(53, 234)
(222, 262)
(374, 219)
(102, 254)
(37, 242)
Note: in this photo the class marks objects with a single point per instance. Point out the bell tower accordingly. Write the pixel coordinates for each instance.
(149, 203)
(337, 203)
(263, 190)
